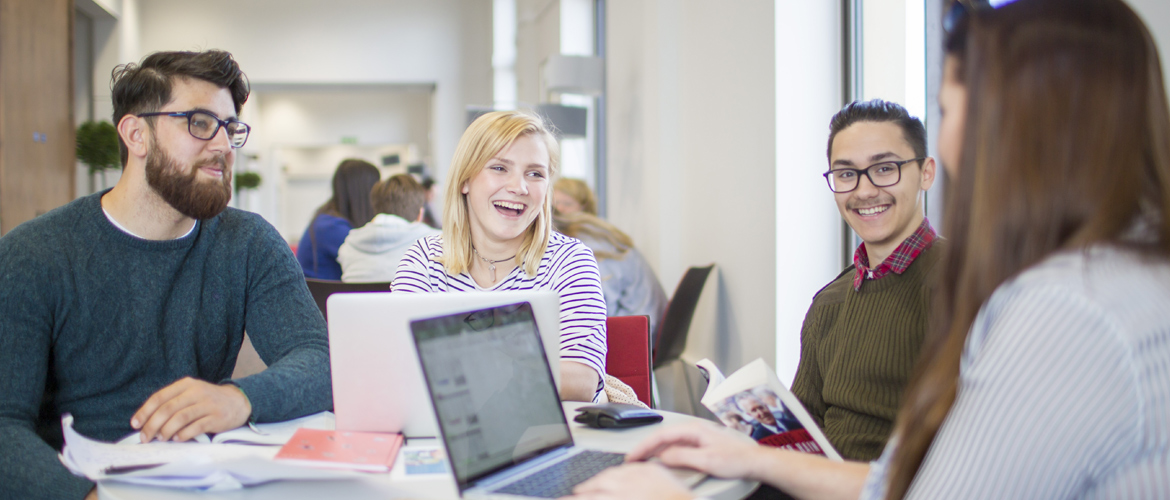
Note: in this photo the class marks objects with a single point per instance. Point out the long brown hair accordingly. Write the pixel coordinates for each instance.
(1066, 144)
(352, 182)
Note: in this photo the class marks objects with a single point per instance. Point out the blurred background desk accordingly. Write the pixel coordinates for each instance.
(379, 486)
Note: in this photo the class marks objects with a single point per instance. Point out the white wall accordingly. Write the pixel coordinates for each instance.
(446, 43)
(808, 237)
(692, 117)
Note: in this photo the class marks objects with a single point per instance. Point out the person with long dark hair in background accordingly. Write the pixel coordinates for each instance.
(349, 207)
(1048, 372)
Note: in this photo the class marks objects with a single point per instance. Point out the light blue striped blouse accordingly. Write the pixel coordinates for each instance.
(567, 267)
(1064, 388)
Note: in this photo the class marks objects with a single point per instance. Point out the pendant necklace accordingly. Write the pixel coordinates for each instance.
(491, 263)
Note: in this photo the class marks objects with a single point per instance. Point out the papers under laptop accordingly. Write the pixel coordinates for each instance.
(497, 408)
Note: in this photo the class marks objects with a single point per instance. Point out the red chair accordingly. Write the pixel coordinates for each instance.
(628, 353)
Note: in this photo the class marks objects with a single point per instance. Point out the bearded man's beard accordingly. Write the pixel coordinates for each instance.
(184, 192)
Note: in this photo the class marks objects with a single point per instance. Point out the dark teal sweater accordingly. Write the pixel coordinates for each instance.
(93, 321)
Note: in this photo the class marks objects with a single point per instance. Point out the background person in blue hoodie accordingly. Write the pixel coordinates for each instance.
(349, 207)
(371, 253)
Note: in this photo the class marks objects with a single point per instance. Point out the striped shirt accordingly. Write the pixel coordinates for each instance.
(567, 267)
(1064, 388)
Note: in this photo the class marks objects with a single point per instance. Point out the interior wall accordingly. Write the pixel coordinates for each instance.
(692, 158)
(444, 43)
(808, 235)
(538, 36)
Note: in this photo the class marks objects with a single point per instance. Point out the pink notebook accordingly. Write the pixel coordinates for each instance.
(366, 451)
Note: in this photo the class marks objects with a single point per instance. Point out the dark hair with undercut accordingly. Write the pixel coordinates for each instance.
(146, 87)
(399, 195)
(879, 111)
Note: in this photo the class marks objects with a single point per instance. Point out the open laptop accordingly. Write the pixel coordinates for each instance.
(377, 382)
(498, 410)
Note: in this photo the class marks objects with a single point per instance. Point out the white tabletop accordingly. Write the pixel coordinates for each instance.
(429, 487)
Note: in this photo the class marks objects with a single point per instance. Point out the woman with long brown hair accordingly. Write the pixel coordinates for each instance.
(1048, 373)
(347, 208)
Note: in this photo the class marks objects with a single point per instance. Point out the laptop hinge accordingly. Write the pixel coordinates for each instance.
(522, 469)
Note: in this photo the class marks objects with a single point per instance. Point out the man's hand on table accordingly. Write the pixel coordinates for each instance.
(190, 407)
(643, 481)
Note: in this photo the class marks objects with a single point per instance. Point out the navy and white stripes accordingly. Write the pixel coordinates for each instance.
(1064, 388)
(567, 267)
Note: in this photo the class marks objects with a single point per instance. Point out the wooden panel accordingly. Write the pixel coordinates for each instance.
(36, 108)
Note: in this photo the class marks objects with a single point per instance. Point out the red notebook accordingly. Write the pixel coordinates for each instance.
(366, 451)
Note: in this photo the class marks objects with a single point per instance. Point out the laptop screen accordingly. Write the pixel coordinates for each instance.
(491, 387)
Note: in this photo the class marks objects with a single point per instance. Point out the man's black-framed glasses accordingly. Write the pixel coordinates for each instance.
(204, 125)
(884, 174)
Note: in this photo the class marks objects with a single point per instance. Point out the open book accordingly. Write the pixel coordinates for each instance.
(754, 401)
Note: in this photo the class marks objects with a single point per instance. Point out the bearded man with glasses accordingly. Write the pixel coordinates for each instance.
(862, 335)
(127, 308)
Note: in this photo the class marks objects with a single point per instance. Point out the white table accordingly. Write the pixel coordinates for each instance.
(433, 487)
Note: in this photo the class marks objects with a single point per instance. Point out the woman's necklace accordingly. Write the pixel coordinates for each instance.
(491, 263)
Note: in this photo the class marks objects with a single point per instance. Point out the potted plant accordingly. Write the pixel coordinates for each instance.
(245, 181)
(97, 148)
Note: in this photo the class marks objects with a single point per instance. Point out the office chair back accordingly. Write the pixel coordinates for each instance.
(671, 338)
(322, 289)
(628, 353)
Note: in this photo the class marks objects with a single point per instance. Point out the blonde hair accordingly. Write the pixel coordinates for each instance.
(579, 191)
(485, 137)
(584, 224)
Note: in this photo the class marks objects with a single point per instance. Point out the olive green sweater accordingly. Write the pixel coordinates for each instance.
(858, 348)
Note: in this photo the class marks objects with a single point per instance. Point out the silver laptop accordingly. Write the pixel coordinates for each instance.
(377, 382)
(498, 410)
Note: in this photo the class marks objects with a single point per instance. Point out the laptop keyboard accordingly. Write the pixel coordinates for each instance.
(559, 479)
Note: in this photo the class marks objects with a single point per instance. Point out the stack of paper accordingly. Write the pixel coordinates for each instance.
(208, 466)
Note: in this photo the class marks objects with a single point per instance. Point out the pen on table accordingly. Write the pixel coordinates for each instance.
(123, 469)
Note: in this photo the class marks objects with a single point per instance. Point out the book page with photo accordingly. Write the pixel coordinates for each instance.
(754, 401)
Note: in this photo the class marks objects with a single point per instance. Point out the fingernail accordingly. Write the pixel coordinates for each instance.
(134, 423)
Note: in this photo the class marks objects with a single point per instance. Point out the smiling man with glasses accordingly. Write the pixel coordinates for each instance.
(862, 335)
(127, 308)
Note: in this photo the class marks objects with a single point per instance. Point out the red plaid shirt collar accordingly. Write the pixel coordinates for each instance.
(897, 262)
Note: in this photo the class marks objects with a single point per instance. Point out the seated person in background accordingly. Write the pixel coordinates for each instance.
(630, 286)
(1045, 375)
(864, 331)
(371, 253)
(127, 308)
(497, 235)
(573, 195)
(428, 183)
(349, 207)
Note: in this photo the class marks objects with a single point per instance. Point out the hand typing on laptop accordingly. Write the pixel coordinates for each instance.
(636, 480)
(704, 447)
(190, 407)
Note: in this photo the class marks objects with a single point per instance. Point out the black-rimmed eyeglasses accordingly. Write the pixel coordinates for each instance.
(884, 174)
(204, 125)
